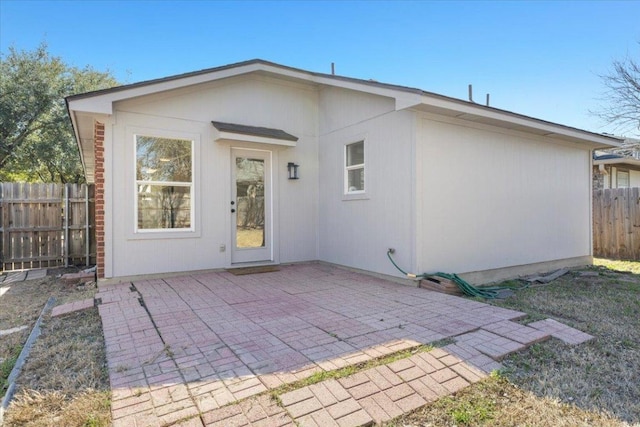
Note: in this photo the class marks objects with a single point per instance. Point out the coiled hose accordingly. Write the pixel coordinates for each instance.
(488, 292)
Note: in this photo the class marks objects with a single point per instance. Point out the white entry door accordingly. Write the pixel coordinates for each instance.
(251, 206)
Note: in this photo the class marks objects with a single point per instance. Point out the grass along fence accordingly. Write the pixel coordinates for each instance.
(46, 225)
(616, 223)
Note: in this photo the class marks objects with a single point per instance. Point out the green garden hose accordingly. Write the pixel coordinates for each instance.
(489, 292)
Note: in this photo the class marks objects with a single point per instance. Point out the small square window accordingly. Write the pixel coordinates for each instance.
(354, 168)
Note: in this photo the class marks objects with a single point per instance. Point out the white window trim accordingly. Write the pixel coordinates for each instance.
(163, 233)
(358, 194)
(618, 173)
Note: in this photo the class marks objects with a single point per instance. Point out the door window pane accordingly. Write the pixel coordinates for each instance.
(250, 210)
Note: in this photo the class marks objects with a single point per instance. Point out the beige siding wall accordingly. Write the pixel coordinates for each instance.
(256, 101)
(357, 231)
(494, 199)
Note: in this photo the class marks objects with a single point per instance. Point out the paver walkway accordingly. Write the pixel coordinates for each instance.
(187, 348)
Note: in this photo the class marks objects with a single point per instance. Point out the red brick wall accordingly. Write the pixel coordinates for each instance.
(98, 139)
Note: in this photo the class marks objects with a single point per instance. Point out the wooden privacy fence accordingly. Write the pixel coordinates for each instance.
(616, 223)
(46, 225)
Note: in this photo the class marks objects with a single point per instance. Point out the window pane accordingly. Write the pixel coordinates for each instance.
(623, 179)
(162, 206)
(355, 154)
(163, 159)
(356, 180)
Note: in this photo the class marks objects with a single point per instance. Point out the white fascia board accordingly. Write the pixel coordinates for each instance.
(239, 137)
(480, 114)
(103, 103)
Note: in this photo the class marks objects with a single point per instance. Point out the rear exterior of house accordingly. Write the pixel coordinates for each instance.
(195, 172)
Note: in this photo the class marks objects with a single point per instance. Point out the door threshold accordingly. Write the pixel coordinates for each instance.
(253, 269)
(251, 264)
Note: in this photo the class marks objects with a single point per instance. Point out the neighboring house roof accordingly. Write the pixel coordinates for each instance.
(83, 107)
(628, 153)
(614, 159)
(597, 156)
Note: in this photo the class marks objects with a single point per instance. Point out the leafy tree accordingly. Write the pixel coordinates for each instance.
(36, 137)
(622, 97)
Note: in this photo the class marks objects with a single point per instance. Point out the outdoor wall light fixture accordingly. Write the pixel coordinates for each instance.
(292, 168)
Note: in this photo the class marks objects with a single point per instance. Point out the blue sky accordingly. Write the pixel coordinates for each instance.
(536, 58)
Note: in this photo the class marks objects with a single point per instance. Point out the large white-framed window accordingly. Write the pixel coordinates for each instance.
(354, 168)
(164, 196)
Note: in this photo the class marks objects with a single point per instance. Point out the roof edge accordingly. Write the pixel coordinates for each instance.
(605, 140)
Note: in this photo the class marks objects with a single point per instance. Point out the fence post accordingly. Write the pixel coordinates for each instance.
(87, 239)
(66, 225)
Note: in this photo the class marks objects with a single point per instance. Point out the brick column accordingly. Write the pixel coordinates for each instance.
(98, 139)
(598, 179)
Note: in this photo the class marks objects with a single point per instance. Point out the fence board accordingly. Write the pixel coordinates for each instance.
(32, 219)
(616, 223)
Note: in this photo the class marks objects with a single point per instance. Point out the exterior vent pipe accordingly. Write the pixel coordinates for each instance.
(470, 93)
(333, 69)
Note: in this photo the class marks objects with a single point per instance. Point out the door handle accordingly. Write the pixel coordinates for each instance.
(233, 210)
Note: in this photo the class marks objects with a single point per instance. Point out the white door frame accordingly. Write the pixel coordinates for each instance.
(258, 254)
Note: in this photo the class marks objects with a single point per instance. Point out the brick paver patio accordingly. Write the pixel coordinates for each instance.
(201, 349)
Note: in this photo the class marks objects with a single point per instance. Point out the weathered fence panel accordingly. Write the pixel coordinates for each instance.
(46, 225)
(616, 223)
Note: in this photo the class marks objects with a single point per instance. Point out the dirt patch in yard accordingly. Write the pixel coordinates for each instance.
(10, 348)
(65, 380)
(20, 305)
(67, 355)
(22, 302)
(46, 409)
